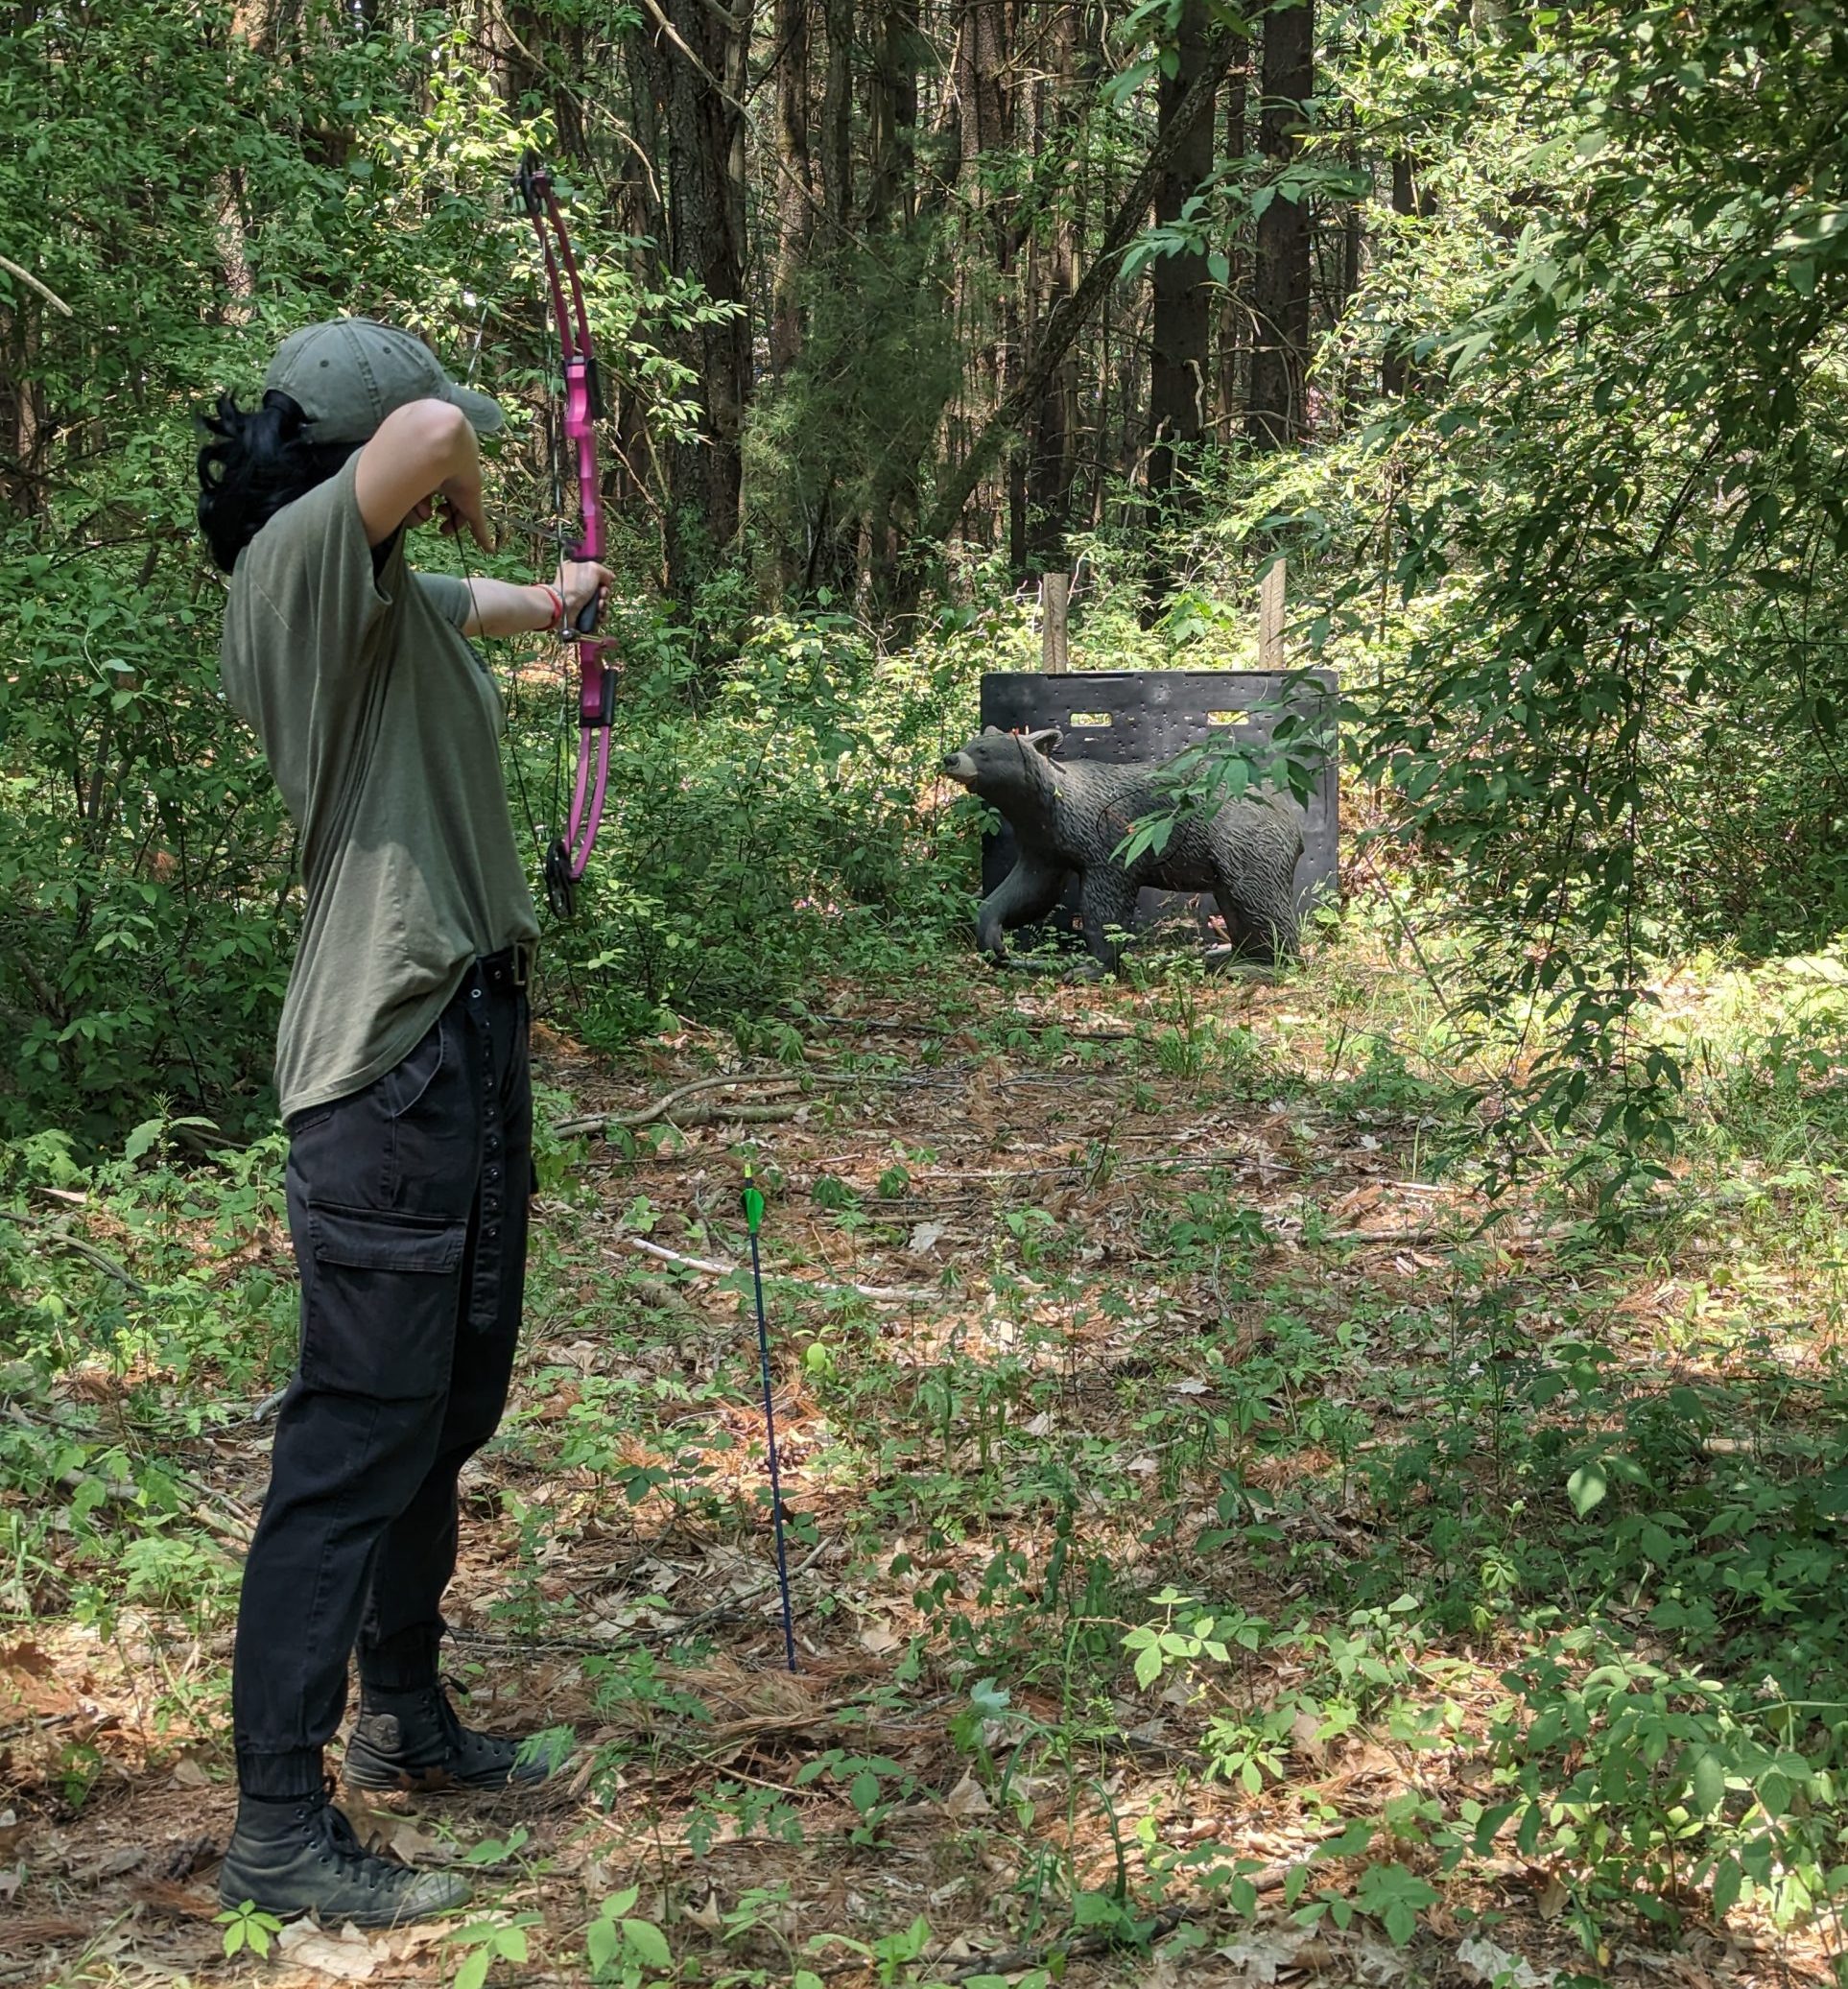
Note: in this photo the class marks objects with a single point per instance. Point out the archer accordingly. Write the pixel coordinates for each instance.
(402, 1071)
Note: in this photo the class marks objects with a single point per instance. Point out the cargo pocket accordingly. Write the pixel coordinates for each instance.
(382, 1298)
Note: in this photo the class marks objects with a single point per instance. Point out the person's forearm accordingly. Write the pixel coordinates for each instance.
(501, 608)
(422, 452)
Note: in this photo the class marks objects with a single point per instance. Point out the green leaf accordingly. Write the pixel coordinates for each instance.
(1148, 1665)
(473, 1972)
(989, 1699)
(1709, 1782)
(1586, 1487)
(649, 1942)
(145, 1135)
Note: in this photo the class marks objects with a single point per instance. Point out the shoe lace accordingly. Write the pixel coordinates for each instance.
(449, 1720)
(332, 1830)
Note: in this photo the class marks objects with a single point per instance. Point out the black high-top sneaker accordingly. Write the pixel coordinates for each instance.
(412, 1740)
(301, 1856)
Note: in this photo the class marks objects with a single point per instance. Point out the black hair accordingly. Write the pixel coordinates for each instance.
(261, 458)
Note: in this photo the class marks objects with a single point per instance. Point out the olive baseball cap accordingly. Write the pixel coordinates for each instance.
(348, 374)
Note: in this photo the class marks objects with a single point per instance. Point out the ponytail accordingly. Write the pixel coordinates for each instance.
(261, 458)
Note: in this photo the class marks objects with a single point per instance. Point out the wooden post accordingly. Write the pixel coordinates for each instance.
(1055, 598)
(1270, 619)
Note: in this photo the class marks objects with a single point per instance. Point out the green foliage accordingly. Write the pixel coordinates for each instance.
(247, 1926)
(147, 903)
(1618, 487)
(778, 832)
(622, 1949)
(848, 431)
(486, 1942)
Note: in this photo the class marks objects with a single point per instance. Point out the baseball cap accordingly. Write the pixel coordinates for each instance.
(348, 374)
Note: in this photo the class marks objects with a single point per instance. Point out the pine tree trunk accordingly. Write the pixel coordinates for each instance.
(705, 213)
(837, 121)
(1394, 373)
(892, 185)
(1053, 459)
(1276, 411)
(1180, 346)
(988, 322)
(794, 191)
(1228, 401)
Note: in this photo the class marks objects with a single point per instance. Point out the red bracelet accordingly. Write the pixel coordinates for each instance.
(557, 599)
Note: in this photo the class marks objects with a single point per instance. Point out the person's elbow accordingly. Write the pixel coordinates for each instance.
(415, 450)
(433, 434)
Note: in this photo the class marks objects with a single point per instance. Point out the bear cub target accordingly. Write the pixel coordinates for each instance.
(1069, 816)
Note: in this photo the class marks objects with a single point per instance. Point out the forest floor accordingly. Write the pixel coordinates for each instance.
(1177, 1538)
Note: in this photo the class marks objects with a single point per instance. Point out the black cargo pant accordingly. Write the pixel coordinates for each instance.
(408, 1208)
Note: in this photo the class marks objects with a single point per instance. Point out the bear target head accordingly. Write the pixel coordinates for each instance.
(995, 763)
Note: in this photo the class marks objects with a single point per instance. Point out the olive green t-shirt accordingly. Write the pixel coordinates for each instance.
(381, 725)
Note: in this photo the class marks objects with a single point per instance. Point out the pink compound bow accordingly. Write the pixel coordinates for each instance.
(565, 860)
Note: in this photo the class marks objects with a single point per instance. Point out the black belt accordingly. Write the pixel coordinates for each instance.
(509, 968)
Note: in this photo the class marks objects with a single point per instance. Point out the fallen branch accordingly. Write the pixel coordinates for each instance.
(735, 1608)
(1448, 1233)
(628, 1122)
(61, 1239)
(233, 1528)
(963, 1029)
(736, 1114)
(737, 1605)
(895, 1295)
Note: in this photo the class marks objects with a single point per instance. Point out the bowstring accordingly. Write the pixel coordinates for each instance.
(552, 420)
(555, 454)
(512, 691)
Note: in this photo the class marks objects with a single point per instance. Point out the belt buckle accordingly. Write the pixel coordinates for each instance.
(526, 953)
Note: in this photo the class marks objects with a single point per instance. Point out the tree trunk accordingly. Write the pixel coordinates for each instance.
(642, 214)
(1278, 413)
(794, 180)
(1183, 299)
(986, 304)
(1394, 374)
(837, 121)
(706, 242)
(891, 188)
(1228, 401)
(1052, 460)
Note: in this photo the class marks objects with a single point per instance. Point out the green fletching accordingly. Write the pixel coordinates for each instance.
(754, 1209)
